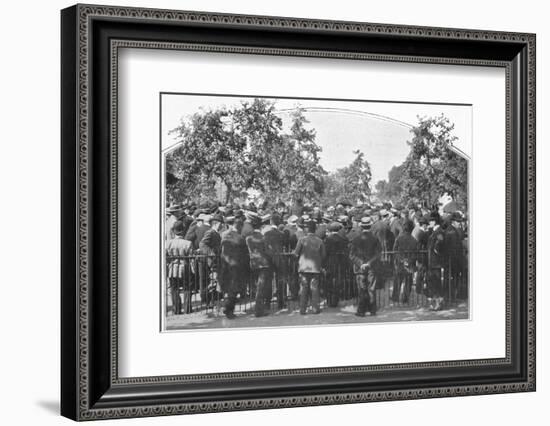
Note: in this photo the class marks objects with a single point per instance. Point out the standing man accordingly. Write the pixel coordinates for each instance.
(234, 263)
(420, 232)
(406, 250)
(171, 219)
(197, 229)
(381, 230)
(310, 252)
(364, 254)
(335, 263)
(178, 269)
(209, 246)
(395, 222)
(261, 265)
(275, 240)
(437, 260)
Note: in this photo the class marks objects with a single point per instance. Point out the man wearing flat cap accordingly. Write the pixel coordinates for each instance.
(310, 252)
(365, 250)
(261, 266)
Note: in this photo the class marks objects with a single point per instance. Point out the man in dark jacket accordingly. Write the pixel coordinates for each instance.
(406, 251)
(196, 230)
(261, 265)
(437, 262)
(335, 263)
(381, 230)
(275, 240)
(310, 251)
(365, 250)
(395, 222)
(234, 265)
(209, 247)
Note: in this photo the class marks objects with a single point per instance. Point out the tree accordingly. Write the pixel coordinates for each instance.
(356, 178)
(433, 167)
(245, 148)
(258, 125)
(211, 151)
(352, 181)
(301, 174)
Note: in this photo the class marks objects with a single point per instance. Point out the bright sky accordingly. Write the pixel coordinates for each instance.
(379, 129)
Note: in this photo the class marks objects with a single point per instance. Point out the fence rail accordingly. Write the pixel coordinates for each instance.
(198, 283)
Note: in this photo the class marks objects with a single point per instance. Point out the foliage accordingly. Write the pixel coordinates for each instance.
(246, 148)
(391, 190)
(352, 182)
(432, 168)
(228, 153)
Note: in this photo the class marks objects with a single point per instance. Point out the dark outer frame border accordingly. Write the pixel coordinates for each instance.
(86, 12)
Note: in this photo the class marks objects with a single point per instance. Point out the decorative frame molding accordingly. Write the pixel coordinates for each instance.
(86, 397)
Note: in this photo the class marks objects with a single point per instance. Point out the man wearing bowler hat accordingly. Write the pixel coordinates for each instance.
(261, 265)
(209, 246)
(406, 253)
(275, 240)
(233, 265)
(337, 257)
(365, 250)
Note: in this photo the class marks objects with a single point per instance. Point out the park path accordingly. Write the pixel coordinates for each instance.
(291, 317)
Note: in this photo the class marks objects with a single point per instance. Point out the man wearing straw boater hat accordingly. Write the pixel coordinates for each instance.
(365, 250)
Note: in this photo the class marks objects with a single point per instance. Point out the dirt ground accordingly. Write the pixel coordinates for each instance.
(344, 313)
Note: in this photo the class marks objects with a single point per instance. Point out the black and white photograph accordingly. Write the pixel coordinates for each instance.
(305, 212)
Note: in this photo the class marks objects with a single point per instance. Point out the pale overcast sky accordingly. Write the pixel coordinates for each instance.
(380, 130)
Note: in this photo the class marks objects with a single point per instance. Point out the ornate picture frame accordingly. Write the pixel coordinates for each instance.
(91, 37)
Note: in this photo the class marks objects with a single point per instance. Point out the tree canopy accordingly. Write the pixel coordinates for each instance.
(245, 148)
(432, 168)
(227, 153)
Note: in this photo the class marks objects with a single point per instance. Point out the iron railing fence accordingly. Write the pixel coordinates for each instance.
(197, 282)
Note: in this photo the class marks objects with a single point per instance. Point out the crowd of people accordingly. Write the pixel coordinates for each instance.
(242, 244)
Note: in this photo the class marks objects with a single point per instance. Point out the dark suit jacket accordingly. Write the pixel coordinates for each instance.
(381, 230)
(406, 247)
(275, 241)
(364, 248)
(437, 249)
(421, 236)
(234, 251)
(210, 243)
(260, 256)
(196, 233)
(335, 244)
